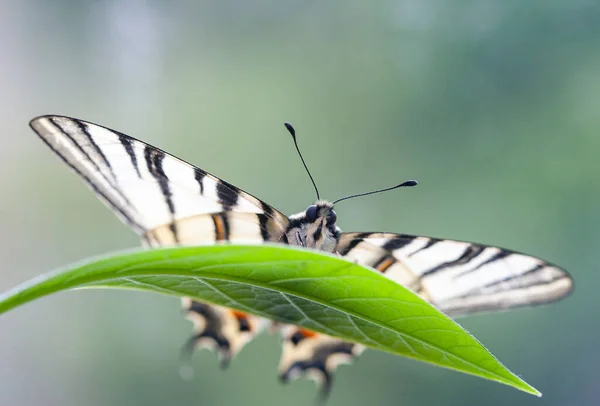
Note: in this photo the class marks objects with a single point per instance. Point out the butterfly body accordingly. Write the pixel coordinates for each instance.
(167, 201)
(314, 228)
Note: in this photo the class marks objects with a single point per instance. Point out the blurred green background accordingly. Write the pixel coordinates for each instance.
(493, 106)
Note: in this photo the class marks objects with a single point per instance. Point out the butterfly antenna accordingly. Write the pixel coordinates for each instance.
(403, 184)
(289, 127)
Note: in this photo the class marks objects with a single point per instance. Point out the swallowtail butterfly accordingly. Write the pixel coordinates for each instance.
(167, 201)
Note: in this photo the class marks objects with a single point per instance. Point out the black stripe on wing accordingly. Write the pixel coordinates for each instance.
(127, 145)
(469, 254)
(228, 196)
(84, 130)
(154, 163)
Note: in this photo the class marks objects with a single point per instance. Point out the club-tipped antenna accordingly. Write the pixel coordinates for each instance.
(403, 184)
(293, 133)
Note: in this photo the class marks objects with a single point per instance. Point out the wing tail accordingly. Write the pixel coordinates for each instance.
(313, 355)
(219, 329)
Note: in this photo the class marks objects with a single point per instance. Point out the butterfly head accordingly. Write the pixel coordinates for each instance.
(315, 227)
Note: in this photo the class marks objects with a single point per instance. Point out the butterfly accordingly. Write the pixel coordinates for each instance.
(168, 201)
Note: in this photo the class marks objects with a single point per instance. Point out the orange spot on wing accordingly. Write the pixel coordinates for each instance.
(219, 227)
(239, 315)
(385, 264)
(308, 333)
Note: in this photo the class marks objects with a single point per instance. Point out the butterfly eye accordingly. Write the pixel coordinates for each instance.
(331, 217)
(311, 213)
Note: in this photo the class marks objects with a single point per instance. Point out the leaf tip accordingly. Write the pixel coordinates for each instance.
(527, 388)
(533, 391)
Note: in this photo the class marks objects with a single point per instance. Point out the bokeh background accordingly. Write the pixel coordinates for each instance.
(493, 106)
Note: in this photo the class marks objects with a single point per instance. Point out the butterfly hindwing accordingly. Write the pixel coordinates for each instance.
(219, 329)
(459, 277)
(307, 353)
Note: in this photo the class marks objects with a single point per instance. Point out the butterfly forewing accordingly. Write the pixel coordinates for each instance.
(144, 185)
(459, 277)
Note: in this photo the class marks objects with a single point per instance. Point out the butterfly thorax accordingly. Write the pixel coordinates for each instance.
(315, 227)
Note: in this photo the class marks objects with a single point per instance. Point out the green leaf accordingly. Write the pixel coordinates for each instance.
(315, 290)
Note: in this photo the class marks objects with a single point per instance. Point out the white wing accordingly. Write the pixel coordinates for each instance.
(146, 187)
(459, 277)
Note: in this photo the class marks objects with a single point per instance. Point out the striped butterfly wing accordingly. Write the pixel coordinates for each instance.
(168, 202)
(145, 186)
(315, 355)
(459, 278)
